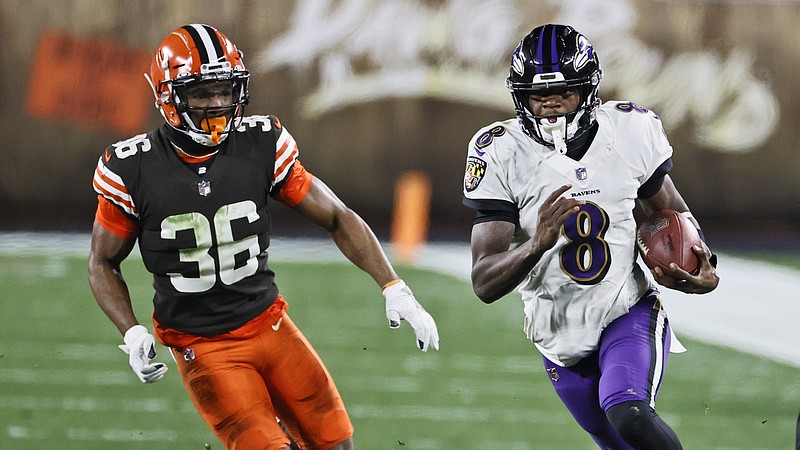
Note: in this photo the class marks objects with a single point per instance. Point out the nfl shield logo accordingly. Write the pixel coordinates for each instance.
(580, 173)
(204, 188)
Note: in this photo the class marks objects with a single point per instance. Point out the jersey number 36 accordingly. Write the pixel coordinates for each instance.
(227, 247)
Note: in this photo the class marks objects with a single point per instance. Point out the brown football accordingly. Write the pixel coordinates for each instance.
(668, 237)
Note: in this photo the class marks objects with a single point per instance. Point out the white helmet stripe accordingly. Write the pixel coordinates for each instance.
(208, 43)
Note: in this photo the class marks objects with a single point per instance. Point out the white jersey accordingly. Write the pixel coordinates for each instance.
(590, 277)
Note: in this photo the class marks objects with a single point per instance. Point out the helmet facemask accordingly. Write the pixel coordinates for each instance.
(209, 124)
(557, 130)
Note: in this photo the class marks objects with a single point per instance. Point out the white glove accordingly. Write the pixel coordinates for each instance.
(140, 346)
(401, 305)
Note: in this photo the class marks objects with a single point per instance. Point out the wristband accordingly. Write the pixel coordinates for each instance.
(390, 284)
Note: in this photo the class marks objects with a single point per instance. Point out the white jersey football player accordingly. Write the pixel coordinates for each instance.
(554, 192)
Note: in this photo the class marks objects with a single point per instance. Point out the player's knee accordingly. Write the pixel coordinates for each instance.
(638, 424)
(630, 419)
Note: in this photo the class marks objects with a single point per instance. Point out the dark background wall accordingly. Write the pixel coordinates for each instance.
(373, 88)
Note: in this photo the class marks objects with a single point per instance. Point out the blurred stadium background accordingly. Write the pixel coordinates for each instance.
(373, 90)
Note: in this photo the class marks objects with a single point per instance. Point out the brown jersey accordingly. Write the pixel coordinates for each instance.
(204, 237)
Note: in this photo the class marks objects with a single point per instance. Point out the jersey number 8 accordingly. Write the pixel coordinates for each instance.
(586, 257)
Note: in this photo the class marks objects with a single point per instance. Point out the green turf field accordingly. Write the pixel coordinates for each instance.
(64, 384)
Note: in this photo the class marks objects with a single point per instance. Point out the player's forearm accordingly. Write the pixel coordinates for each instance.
(358, 243)
(496, 275)
(111, 294)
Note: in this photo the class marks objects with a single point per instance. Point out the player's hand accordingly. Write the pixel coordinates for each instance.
(706, 279)
(401, 305)
(140, 346)
(552, 214)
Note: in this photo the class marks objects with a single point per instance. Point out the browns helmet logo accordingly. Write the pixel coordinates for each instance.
(476, 168)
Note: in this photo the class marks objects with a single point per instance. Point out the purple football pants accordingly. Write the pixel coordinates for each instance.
(628, 365)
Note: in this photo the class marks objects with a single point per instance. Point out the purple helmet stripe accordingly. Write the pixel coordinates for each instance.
(539, 48)
(554, 51)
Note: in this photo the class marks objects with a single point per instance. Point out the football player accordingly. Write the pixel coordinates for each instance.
(194, 194)
(554, 191)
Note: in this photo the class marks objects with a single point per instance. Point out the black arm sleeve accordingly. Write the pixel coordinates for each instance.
(491, 210)
(652, 185)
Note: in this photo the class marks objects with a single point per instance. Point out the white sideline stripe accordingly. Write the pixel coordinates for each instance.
(21, 432)
(523, 415)
(464, 362)
(752, 310)
(526, 414)
(94, 404)
(66, 377)
(61, 377)
(120, 435)
(31, 351)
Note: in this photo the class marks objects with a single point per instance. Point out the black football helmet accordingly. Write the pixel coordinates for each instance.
(555, 57)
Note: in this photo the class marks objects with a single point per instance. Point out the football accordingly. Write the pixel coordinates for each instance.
(668, 237)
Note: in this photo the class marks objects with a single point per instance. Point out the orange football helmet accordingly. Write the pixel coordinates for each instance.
(188, 56)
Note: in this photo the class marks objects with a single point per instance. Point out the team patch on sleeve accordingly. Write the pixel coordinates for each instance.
(476, 169)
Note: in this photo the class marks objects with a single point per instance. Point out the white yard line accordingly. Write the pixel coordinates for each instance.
(754, 309)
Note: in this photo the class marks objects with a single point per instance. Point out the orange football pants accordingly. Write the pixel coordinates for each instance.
(239, 387)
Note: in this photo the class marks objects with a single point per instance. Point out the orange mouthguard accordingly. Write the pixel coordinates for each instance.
(215, 126)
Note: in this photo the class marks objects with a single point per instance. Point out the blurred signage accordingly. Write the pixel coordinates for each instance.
(459, 51)
(89, 82)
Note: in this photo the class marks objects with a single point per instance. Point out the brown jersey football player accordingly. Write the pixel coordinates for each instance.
(194, 194)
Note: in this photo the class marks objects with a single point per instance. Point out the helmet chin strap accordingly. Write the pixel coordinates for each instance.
(557, 131)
